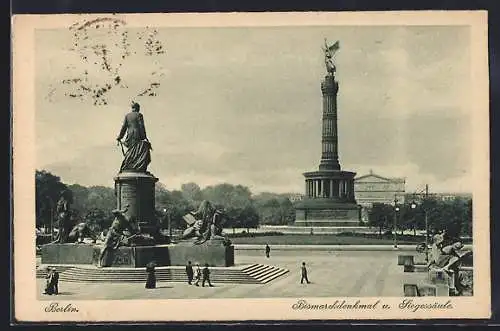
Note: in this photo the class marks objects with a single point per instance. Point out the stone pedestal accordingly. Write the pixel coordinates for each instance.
(326, 213)
(68, 254)
(137, 190)
(136, 257)
(211, 252)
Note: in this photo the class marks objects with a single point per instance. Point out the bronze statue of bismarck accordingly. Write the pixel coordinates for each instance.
(137, 157)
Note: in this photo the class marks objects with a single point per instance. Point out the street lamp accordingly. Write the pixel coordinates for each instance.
(413, 205)
(167, 214)
(396, 209)
(426, 224)
(51, 217)
(424, 205)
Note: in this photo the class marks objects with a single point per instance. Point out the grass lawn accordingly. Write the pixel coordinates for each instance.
(318, 240)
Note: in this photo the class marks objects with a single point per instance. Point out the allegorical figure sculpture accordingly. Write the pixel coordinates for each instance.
(330, 51)
(448, 258)
(81, 231)
(64, 218)
(204, 224)
(137, 157)
(116, 236)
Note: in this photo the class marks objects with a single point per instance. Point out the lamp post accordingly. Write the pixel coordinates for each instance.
(396, 209)
(426, 224)
(424, 206)
(51, 218)
(413, 206)
(167, 214)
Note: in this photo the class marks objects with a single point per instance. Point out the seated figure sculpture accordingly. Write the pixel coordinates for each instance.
(448, 259)
(207, 224)
(81, 231)
(116, 236)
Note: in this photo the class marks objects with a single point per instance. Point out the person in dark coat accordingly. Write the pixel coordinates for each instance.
(49, 288)
(55, 281)
(268, 250)
(151, 280)
(189, 272)
(206, 276)
(198, 275)
(304, 274)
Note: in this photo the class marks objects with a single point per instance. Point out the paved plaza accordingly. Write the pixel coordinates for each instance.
(332, 274)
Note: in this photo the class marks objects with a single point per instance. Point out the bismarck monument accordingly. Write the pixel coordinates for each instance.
(134, 185)
(329, 196)
(134, 238)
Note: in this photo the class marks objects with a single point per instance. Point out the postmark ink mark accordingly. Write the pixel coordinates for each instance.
(106, 51)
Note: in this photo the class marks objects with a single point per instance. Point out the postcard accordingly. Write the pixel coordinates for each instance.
(251, 166)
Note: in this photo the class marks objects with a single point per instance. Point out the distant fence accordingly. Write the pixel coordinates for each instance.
(285, 229)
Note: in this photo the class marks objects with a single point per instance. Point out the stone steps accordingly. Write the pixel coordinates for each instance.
(42, 271)
(264, 273)
(252, 274)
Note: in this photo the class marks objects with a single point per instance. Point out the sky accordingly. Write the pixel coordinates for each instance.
(243, 105)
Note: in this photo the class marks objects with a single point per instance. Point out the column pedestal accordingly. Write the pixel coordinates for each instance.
(136, 192)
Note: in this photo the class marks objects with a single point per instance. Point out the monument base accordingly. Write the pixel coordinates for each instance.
(135, 193)
(68, 254)
(327, 212)
(213, 253)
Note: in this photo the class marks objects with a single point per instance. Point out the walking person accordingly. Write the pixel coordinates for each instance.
(268, 250)
(304, 274)
(55, 281)
(189, 272)
(206, 276)
(151, 279)
(198, 275)
(49, 288)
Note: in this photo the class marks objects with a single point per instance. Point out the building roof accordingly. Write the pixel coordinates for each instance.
(386, 179)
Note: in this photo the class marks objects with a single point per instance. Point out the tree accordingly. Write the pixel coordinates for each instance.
(275, 209)
(191, 192)
(380, 216)
(250, 217)
(48, 188)
(98, 219)
(93, 205)
(408, 218)
(171, 205)
(287, 212)
(101, 197)
(237, 203)
(270, 211)
(453, 216)
(80, 194)
(467, 220)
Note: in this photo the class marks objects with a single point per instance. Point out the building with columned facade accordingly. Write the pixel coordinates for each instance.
(373, 188)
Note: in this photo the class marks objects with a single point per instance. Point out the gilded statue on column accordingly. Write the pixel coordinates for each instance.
(330, 51)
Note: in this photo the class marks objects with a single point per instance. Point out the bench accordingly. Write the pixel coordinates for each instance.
(426, 290)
